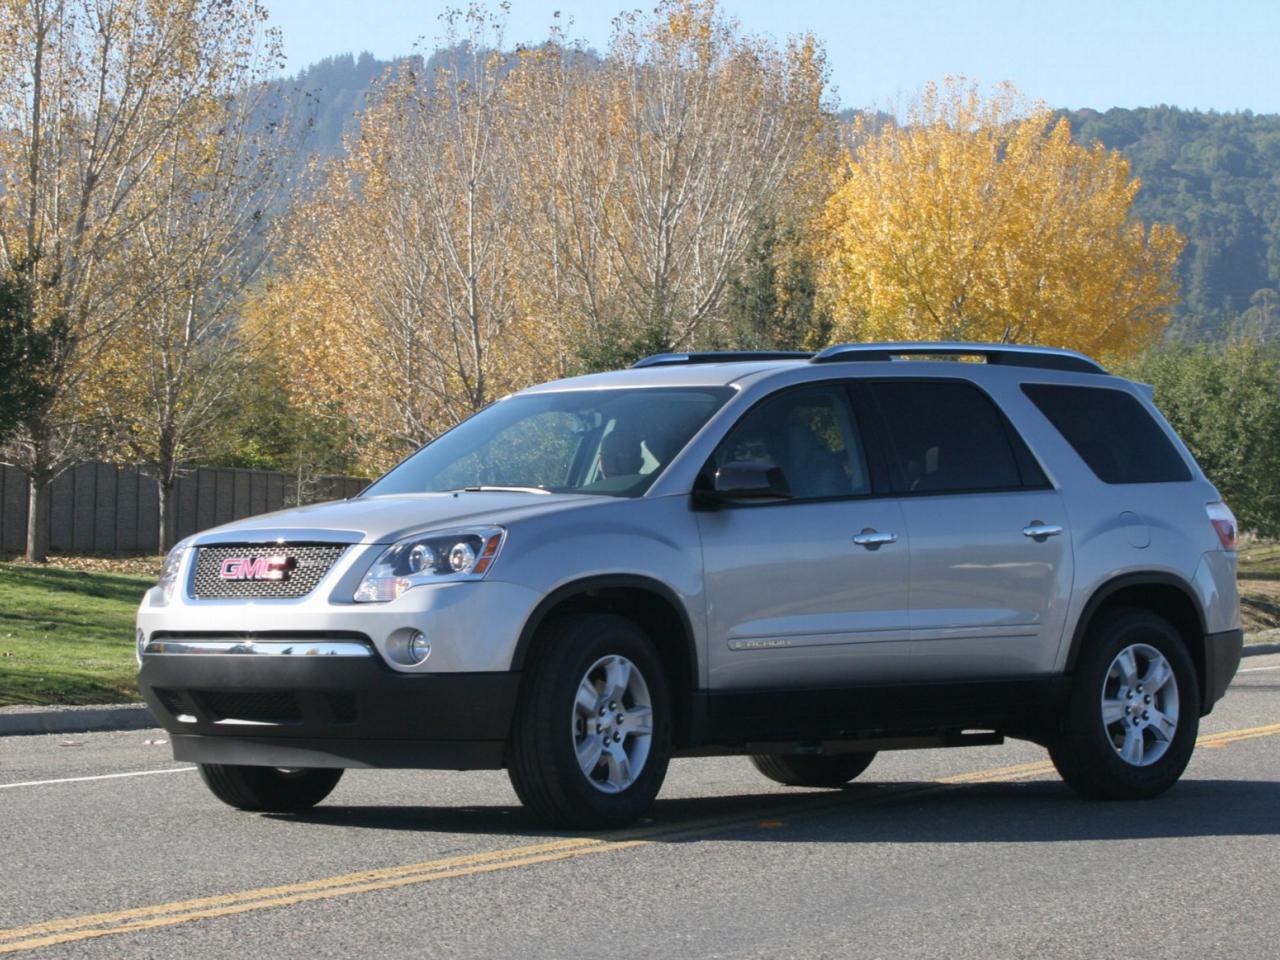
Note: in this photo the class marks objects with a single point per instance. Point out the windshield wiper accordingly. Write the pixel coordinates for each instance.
(491, 488)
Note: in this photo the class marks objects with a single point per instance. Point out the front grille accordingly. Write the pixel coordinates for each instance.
(172, 701)
(269, 706)
(311, 563)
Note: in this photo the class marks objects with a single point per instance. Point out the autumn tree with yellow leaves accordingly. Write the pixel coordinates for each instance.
(655, 166)
(172, 372)
(506, 219)
(979, 219)
(91, 92)
(395, 307)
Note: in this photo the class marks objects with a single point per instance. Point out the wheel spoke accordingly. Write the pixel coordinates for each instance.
(587, 697)
(638, 720)
(619, 766)
(589, 751)
(1162, 726)
(1134, 746)
(1112, 711)
(618, 676)
(1128, 666)
(1158, 675)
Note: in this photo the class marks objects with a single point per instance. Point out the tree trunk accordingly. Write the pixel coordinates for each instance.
(39, 485)
(166, 468)
(167, 486)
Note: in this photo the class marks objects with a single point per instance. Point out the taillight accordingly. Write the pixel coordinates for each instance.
(1224, 522)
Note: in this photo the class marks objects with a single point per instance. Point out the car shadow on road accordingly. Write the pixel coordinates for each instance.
(1029, 812)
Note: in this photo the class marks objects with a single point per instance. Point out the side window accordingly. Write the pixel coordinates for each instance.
(1111, 431)
(948, 437)
(808, 433)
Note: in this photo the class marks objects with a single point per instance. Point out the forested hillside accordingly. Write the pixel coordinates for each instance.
(1216, 177)
(332, 92)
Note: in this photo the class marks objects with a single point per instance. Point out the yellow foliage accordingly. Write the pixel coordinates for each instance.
(495, 220)
(982, 220)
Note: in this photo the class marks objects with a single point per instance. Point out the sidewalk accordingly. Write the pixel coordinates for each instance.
(137, 716)
(113, 716)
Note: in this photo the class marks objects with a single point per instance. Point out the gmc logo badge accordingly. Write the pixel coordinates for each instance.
(257, 568)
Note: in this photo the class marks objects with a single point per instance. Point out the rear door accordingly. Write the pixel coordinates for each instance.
(811, 591)
(991, 559)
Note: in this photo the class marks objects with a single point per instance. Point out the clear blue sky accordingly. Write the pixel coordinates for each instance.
(1205, 54)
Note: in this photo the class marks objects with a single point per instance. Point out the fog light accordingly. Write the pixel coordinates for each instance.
(141, 643)
(419, 647)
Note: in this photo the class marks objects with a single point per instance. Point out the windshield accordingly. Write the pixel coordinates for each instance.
(610, 442)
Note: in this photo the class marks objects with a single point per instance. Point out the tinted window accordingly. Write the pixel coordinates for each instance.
(810, 435)
(946, 437)
(1113, 433)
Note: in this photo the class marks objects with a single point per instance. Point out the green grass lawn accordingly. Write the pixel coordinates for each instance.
(66, 636)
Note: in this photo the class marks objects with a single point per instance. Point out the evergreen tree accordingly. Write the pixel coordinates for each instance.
(771, 304)
(25, 353)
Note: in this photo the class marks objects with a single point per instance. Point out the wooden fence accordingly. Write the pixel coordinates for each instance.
(108, 509)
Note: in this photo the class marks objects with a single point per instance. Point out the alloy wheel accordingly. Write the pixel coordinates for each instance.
(1140, 704)
(612, 724)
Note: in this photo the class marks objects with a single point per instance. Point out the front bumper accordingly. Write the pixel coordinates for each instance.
(323, 711)
(1222, 652)
(473, 627)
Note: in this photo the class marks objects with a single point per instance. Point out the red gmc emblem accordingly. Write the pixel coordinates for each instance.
(257, 568)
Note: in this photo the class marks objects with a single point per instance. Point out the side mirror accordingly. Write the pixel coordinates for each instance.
(747, 480)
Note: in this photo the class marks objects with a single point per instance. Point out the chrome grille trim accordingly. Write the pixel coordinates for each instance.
(313, 561)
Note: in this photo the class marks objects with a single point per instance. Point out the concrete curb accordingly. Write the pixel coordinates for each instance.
(137, 716)
(1258, 649)
(120, 716)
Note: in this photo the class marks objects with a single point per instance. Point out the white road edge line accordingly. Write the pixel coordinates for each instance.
(1259, 669)
(105, 776)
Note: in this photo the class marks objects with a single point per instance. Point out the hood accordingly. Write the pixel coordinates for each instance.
(389, 518)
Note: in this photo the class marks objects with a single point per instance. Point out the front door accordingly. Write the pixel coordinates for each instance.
(812, 591)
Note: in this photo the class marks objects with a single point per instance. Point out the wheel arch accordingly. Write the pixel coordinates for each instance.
(1162, 593)
(652, 605)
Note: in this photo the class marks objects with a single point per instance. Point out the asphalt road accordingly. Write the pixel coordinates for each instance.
(110, 849)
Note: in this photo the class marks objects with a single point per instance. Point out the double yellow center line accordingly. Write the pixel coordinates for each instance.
(70, 929)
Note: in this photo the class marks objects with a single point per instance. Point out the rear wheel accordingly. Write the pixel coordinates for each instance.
(813, 771)
(1133, 711)
(269, 789)
(592, 732)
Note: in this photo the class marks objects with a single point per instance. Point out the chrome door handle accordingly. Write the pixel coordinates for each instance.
(1040, 532)
(872, 539)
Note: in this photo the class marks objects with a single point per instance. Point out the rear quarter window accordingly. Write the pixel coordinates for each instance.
(1111, 431)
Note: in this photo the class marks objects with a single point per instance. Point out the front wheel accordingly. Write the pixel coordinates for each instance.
(268, 789)
(1133, 712)
(592, 732)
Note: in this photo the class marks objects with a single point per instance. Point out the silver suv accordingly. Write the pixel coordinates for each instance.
(801, 558)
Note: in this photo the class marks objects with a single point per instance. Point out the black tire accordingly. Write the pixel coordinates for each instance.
(833, 771)
(1085, 752)
(542, 762)
(268, 790)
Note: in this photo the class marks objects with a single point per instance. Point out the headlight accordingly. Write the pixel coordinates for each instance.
(169, 572)
(431, 558)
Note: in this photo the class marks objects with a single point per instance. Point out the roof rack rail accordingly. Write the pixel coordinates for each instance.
(1004, 354)
(720, 356)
